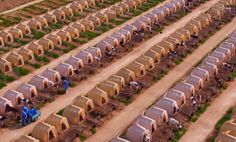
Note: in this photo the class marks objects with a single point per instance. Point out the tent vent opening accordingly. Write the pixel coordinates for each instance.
(142, 72)
(20, 62)
(89, 108)
(164, 119)
(30, 57)
(40, 52)
(68, 39)
(6, 68)
(38, 27)
(70, 72)
(103, 101)
(116, 92)
(50, 46)
(18, 101)
(1, 43)
(27, 31)
(81, 118)
(182, 102)
(33, 94)
(56, 79)
(45, 85)
(63, 127)
(9, 38)
(89, 60)
(153, 129)
(51, 136)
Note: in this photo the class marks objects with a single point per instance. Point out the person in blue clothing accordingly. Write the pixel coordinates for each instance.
(66, 85)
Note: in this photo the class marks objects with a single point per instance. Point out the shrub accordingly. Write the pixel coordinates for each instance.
(60, 112)
(20, 71)
(51, 54)
(38, 34)
(61, 91)
(225, 118)
(93, 130)
(2, 84)
(82, 138)
(89, 34)
(72, 84)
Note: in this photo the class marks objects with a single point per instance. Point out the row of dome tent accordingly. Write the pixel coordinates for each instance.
(167, 106)
(26, 53)
(66, 69)
(36, 23)
(97, 96)
(52, 17)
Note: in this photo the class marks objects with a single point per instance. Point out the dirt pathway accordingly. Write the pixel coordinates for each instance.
(126, 116)
(85, 85)
(17, 7)
(199, 131)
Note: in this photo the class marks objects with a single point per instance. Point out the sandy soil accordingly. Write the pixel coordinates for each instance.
(199, 131)
(126, 116)
(7, 6)
(84, 86)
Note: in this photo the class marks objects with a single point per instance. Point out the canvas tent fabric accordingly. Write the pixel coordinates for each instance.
(26, 138)
(75, 115)
(35, 25)
(118, 80)
(44, 132)
(3, 104)
(186, 88)
(148, 62)
(137, 133)
(167, 104)
(35, 48)
(25, 29)
(139, 25)
(59, 122)
(76, 7)
(74, 33)
(41, 83)
(98, 96)
(120, 37)
(96, 52)
(167, 45)
(225, 51)
(154, 55)
(126, 33)
(212, 60)
(95, 20)
(131, 3)
(65, 70)
(104, 47)
(52, 75)
(64, 35)
(56, 39)
(14, 96)
(84, 3)
(78, 26)
(85, 56)
(158, 114)
(15, 59)
(124, 6)
(137, 68)
(130, 28)
(102, 17)
(220, 56)
(50, 17)
(59, 14)
(111, 14)
(202, 73)
(27, 54)
(7, 37)
(111, 88)
(119, 11)
(5, 66)
(119, 140)
(29, 91)
(197, 82)
(43, 21)
(211, 68)
(89, 26)
(160, 50)
(67, 10)
(177, 96)
(83, 102)
(2, 42)
(147, 123)
(112, 41)
(75, 62)
(127, 74)
(16, 33)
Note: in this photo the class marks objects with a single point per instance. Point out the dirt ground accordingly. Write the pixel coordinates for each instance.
(10, 4)
(199, 131)
(126, 116)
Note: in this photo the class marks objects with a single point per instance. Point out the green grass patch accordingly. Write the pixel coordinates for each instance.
(37, 34)
(124, 100)
(20, 71)
(225, 118)
(41, 58)
(178, 61)
(6, 78)
(69, 46)
(2, 84)
(80, 41)
(178, 135)
(200, 111)
(233, 74)
(21, 41)
(60, 112)
(82, 138)
(51, 54)
(89, 35)
(72, 84)
(93, 130)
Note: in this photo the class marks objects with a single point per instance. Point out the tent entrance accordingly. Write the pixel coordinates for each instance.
(33, 94)
(45, 85)
(20, 62)
(6, 68)
(51, 136)
(103, 101)
(8, 38)
(30, 57)
(63, 127)
(19, 101)
(89, 107)
(81, 118)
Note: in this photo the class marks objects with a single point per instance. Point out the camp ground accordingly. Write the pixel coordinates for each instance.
(57, 50)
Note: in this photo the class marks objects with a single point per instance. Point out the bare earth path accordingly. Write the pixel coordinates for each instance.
(199, 131)
(8, 2)
(63, 101)
(127, 115)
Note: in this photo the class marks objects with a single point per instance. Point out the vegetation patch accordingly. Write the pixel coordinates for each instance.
(200, 111)
(178, 135)
(20, 71)
(37, 34)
